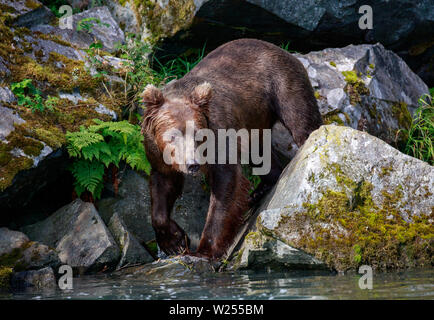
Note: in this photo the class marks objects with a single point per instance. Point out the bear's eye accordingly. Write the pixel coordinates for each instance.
(172, 138)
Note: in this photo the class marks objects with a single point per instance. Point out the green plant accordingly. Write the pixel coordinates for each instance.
(29, 96)
(87, 24)
(54, 6)
(285, 46)
(95, 61)
(421, 132)
(176, 68)
(101, 145)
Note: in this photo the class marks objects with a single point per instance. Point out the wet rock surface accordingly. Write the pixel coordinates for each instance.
(37, 279)
(261, 252)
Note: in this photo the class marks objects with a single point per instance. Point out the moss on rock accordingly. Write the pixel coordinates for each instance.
(355, 86)
(164, 21)
(5, 277)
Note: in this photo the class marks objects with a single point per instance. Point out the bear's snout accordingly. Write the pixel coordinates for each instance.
(193, 166)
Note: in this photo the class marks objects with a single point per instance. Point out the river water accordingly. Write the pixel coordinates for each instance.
(414, 284)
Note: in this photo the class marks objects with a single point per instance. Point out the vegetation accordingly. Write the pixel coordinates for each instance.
(101, 145)
(54, 6)
(420, 135)
(87, 24)
(30, 97)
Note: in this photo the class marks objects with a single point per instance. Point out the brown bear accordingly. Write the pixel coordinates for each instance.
(245, 83)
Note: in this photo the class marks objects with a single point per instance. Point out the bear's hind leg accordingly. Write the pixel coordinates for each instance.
(165, 189)
(297, 109)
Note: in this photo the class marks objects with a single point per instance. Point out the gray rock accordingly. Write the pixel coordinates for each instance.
(381, 102)
(108, 35)
(6, 95)
(4, 70)
(37, 255)
(134, 207)
(41, 15)
(132, 251)
(176, 267)
(18, 252)
(27, 13)
(8, 118)
(104, 110)
(260, 252)
(10, 240)
(38, 279)
(349, 198)
(79, 39)
(124, 16)
(79, 235)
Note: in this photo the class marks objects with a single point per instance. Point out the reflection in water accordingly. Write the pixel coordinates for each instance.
(416, 284)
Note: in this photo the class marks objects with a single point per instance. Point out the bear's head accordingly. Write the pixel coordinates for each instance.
(171, 121)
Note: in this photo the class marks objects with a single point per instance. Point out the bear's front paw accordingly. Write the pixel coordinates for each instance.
(172, 239)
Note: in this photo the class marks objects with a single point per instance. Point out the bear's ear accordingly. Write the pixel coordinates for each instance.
(201, 94)
(152, 96)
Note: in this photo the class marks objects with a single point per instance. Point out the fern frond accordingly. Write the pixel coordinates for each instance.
(81, 139)
(89, 174)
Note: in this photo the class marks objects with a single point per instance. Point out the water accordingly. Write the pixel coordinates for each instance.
(416, 284)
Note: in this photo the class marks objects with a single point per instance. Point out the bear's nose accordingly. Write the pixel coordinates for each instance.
(193, 167)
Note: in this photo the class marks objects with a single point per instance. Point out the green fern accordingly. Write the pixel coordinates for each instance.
(100, 145)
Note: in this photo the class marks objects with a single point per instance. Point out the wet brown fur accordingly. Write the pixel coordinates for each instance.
(251, 84)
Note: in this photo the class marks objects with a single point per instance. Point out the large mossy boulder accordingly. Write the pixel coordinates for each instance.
(349, 199)
(154, 20)
(80, 237)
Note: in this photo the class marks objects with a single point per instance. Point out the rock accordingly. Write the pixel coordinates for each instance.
(10, 240)
(79, 235)
(157, 19)
(365, 87)
(7, 120)
(40, 15)
(17, 252)
(38, 279)
(106, 31)
(6, 95)
(132, 251)
(403, 27)
(133, 206)
(5, 278)
(124, 15)
(176, 267)
(26, 13)
(348, 198)
(4, 70)
(260, 252)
